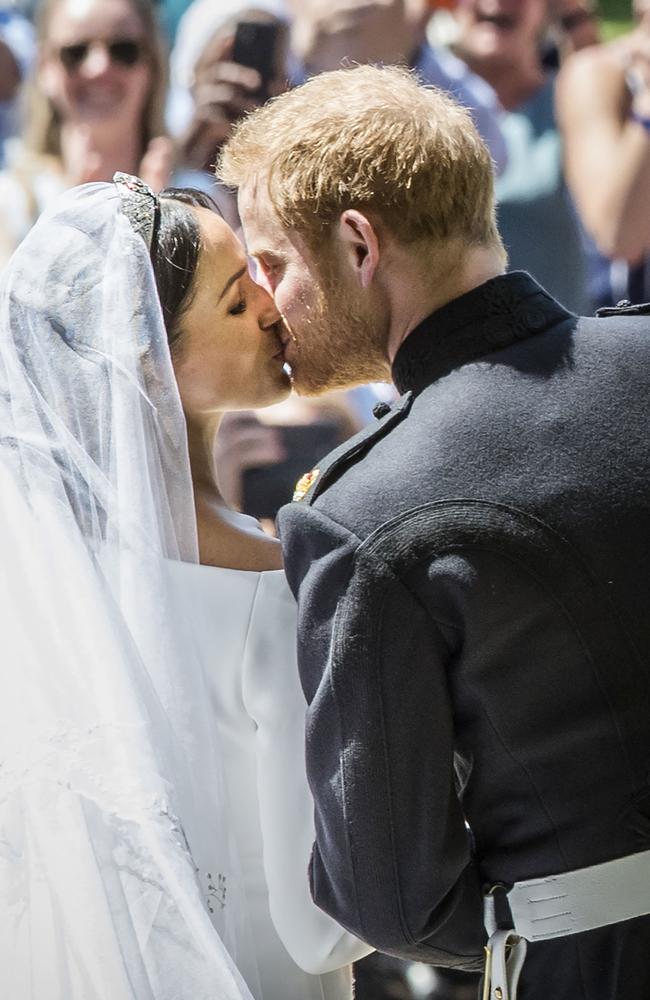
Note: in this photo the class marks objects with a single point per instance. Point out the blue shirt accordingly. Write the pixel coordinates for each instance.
(18, 35)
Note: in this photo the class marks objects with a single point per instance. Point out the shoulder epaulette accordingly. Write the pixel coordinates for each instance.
(314, 482)
(625, 308)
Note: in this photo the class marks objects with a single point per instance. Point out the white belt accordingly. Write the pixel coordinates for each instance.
(556, 906)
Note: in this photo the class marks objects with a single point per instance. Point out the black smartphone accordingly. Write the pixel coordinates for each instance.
(257, 45)
(268, 487)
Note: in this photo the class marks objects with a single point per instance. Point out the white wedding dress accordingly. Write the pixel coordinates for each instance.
(155, 822)
(244, 624)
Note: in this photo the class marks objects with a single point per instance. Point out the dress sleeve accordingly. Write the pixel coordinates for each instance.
(275, 701)
(392, 859)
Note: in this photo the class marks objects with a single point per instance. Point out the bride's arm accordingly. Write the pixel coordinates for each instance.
(274, 699)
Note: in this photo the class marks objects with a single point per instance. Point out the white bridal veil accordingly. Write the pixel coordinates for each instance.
(101, 790)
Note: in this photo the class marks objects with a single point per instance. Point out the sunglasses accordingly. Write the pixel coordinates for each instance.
(121, 52)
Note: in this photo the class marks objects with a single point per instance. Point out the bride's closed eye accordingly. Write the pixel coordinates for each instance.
(238, 308)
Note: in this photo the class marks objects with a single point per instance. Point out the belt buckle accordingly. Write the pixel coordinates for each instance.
(497, 914)
(505, 950)
(487, 972)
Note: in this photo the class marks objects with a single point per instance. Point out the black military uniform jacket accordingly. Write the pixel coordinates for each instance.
(473, 577)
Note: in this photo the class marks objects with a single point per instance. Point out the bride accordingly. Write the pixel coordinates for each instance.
(155, 822)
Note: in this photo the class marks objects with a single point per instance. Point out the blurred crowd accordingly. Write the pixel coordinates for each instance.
(88, 87)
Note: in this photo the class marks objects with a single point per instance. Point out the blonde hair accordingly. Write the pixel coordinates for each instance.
(43, 126)
(373, 139)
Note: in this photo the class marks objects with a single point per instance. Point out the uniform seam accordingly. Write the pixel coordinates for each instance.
(348, 834)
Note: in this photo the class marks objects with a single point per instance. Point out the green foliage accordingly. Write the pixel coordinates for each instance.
(615, 10)
(613, 28)
(617, 17)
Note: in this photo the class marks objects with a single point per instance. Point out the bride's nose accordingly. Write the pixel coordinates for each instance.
(269, 314)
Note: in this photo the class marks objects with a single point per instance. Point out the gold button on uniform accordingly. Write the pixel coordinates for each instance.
(304, 485)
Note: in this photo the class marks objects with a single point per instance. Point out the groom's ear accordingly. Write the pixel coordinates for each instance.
(359, 245)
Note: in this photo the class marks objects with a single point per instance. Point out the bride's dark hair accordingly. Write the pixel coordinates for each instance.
(175, 254)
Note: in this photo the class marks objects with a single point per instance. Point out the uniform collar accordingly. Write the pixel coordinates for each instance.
(496, 314)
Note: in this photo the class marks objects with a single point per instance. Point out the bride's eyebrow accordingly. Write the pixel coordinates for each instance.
(232, 279)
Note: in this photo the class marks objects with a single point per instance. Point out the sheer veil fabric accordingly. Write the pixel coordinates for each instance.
(102, 792)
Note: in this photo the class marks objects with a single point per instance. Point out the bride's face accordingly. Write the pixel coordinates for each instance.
(230, 354)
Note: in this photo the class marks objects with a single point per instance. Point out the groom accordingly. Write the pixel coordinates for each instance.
(472, 571)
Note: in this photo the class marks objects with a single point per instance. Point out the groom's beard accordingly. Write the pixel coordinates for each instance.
(337, 345)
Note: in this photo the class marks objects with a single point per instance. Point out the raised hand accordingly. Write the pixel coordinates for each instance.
(157, 163)
(223, 91)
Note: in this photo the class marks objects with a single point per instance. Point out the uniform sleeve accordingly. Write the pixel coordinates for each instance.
(392, 859)
(274, 700)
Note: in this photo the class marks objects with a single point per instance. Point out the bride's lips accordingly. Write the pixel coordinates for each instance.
(284, 338)
(280, 353)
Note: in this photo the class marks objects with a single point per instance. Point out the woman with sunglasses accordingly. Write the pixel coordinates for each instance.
(94, 105)
(155, 819)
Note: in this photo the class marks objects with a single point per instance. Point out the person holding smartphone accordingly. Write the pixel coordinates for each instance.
(228, 58)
